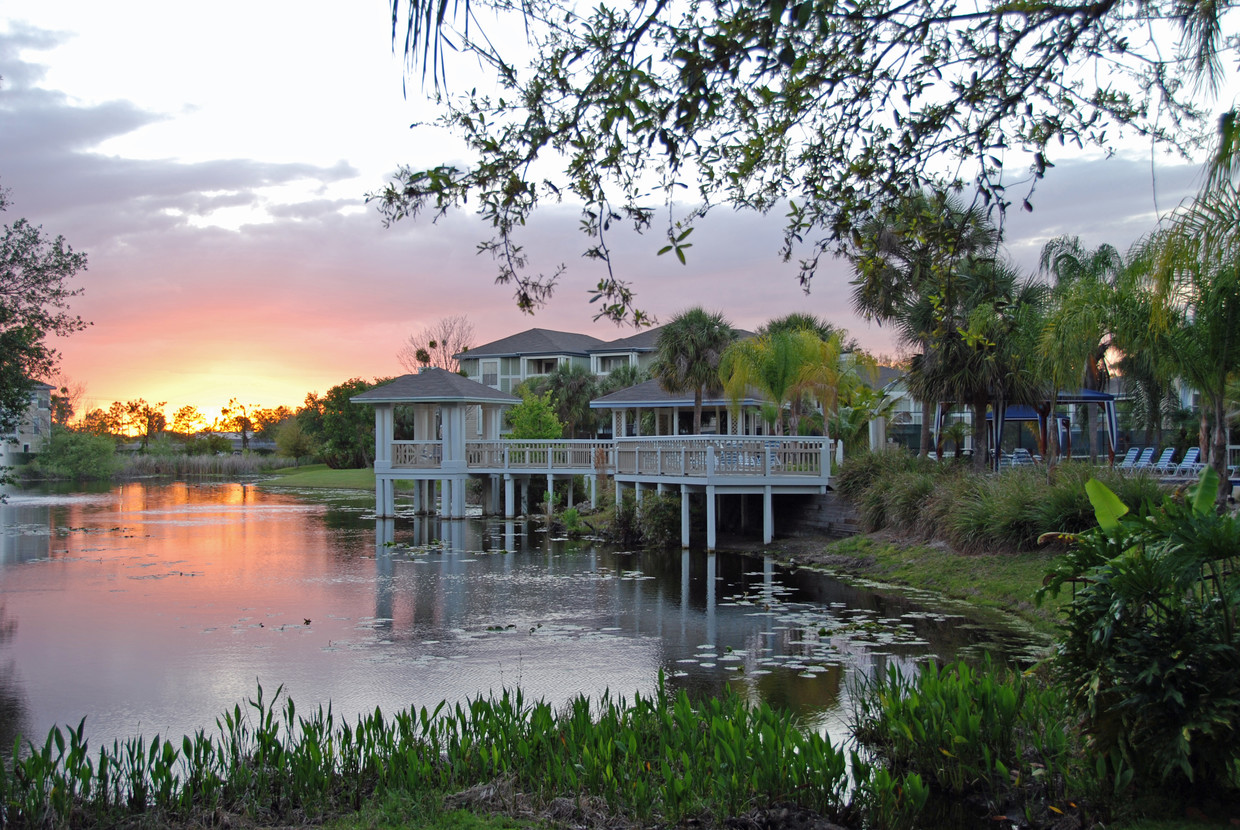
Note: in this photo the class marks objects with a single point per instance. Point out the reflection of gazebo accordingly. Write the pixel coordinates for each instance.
(1041, 413)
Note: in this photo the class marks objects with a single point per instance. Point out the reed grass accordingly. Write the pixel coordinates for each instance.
(656, 759)
(178, 464)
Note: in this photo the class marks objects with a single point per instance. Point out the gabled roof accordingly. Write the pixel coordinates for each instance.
(534, 342)
(643, 341)
(434, 386)
(651, 394)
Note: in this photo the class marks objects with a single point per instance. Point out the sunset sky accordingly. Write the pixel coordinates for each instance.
(212, 161)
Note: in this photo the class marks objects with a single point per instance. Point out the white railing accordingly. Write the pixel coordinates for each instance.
(676, 456)
(579, 456)
(419, 454)
(709, 456)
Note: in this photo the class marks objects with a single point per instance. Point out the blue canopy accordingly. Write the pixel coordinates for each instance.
(1023, 412)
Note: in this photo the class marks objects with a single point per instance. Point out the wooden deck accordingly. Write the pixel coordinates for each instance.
(648, 460)
(713, 465)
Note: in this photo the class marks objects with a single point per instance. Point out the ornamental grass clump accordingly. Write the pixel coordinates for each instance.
(978, 511)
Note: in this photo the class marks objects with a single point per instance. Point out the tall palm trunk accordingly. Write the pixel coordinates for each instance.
(981, 437)
(927, 416)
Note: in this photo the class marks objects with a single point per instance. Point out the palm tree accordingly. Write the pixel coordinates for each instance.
(1077, 336)
(800, 320)
(778, 366)
(905, 259)
(687, 355)
(1198, 324)
(572, 388)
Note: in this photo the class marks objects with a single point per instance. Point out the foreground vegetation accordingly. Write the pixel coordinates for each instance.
(655, 758)
(973, 512)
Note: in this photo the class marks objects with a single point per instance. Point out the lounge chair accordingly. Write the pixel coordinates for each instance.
(1165, 464)
(1191, 466)
(1144, 461)
(1129, 459)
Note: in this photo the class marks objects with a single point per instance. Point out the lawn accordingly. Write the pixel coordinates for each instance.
(320, 475)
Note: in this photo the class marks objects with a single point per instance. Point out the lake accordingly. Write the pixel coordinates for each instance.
(153, 607)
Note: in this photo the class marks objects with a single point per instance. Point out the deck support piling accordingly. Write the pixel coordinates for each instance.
(710, 518)
(768, 516)
(684, 516)
(509, 501)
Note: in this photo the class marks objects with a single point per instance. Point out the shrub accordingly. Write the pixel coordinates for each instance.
(78, 455)
(624, 529)
(658, 518)
(1151, 647)
(976, 511)
(534, 419)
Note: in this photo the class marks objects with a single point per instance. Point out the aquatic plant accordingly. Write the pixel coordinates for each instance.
(967, 730)
(657, 758)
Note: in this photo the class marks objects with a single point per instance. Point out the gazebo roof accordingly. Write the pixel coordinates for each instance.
(651, 395)
(435, 386)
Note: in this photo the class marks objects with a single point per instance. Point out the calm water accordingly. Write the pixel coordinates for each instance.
(151, 608)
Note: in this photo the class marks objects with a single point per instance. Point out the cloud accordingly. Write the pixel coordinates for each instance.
(266, 279)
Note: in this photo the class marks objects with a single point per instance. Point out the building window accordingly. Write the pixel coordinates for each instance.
(490, 373)
(543, 366)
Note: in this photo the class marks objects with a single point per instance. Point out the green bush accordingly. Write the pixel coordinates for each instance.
(624, 528)
(658, 518)
(534, 419)
(78, 455)
(1151, 648)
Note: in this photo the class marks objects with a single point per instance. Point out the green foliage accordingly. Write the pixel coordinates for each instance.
(687, 355)
(34, 303)
(1151, 650)
(208, 444)
(292, 441)
(574, 527)
(966, 730)
(658, 518)
(571, 389)
(534, 419)
(655, 760)
(827, 109)
(344, 431)
(624, 528)
(977, 512)
(654, 522)
(78, 455)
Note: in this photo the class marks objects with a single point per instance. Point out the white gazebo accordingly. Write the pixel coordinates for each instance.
(448, 410)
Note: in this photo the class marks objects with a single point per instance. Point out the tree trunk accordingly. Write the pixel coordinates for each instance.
(1218, 455)
(1203, 431)
(981, 436)
(697, 411)
(927, 418)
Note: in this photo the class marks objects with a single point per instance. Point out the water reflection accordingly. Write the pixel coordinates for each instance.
(153, 607)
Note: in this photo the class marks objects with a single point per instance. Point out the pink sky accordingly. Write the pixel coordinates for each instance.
(231, 252)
